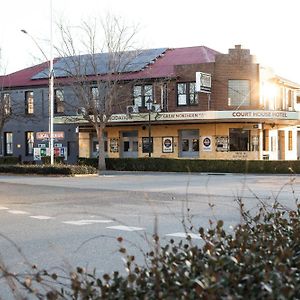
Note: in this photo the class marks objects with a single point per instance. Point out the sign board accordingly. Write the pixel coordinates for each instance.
(167, 144)
(206, 143)
(114, 145)
(38, 153)
(57, 135)
(203, 82)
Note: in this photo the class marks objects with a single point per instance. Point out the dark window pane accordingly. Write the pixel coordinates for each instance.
(185, 145)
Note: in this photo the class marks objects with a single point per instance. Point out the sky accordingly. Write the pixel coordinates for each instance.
(269, 28)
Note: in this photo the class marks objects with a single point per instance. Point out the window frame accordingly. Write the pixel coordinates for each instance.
(8, 150)
(29, 102)
(290, 140)
(6, 98)
(236, 94)
(59, 106)
(188, 92)
(29, 142)
(140, 98)
(240, 144)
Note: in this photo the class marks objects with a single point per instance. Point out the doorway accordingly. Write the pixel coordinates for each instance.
(129, 144)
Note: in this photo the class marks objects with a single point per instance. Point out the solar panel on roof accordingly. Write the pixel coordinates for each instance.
(102, 63)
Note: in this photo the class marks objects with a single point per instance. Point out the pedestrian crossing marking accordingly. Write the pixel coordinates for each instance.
(185, 235)
(41, 217)
(18, 212)
(125, 228)
(86, 222)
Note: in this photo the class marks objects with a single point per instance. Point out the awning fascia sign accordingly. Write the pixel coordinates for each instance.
(191, 116)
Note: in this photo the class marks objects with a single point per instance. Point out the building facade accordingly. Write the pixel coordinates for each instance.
(180, 103)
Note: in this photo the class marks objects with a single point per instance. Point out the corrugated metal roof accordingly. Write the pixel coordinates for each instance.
(102, 63)
(162, 65)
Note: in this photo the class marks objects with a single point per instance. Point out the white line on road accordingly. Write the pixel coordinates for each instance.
(3, 208)
(18, 212)
(87, 222)
(125, 228)
(184, 235)
(41, 217)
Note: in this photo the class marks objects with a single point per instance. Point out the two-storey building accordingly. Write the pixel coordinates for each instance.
(178, 103)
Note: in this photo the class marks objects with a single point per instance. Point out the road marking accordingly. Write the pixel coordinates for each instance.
(185, 235)
(87, 222)
(125, 228)
(41, 217)
(18, 212)
(3, 208)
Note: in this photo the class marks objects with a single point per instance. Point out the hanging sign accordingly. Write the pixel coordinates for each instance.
(203, 82)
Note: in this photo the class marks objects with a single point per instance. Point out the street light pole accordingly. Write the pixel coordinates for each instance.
(51, 88)
(149, 106)
(51, 81)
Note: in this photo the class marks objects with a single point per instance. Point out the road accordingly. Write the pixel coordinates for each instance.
(70, 221)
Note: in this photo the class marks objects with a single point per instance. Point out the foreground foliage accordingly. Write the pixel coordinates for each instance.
(258, 259)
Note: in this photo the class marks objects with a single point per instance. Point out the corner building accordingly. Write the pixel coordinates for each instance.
(248, 112)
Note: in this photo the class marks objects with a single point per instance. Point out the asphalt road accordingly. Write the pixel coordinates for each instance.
(64, 222)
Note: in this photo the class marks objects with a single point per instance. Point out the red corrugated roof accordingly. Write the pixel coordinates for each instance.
(164, 66)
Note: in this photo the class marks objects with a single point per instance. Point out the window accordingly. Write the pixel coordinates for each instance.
(8, 143)
(95, 95)
(265, 140)
(6, 102)
(238, 92)
(29, 139)
(141, 94)
(29, 103)
(186, 94)
(59, 106)
(145, 144)
(239, 139)
(290, 140)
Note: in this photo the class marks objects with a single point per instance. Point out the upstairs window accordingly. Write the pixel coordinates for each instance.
(186, 94)
(95, 94)
(29, 103)
(6, 103)
(141, 94)
(238, 92)
(59, 106)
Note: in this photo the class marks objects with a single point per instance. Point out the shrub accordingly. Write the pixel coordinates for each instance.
(198, 165)
(259, 259)
(70, 170)
(9, 160)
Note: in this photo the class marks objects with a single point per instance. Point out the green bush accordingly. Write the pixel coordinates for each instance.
(258, 259)
(199, 165)
(69, 170)
(4, 160)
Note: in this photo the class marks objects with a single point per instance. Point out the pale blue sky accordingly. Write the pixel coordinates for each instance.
(269, 28)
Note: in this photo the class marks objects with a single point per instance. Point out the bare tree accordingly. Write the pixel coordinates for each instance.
(5, 100)
(95, 76)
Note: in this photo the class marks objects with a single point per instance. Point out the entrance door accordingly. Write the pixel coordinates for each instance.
(189, 143)
(129, 144)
